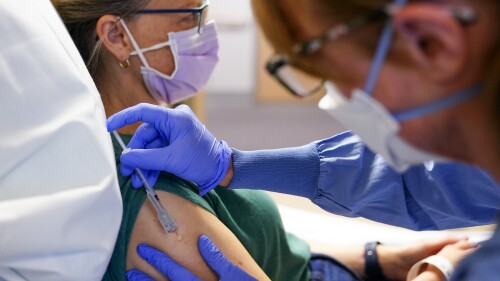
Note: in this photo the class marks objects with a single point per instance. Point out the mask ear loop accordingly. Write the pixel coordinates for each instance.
(438, 105)
(381, 52)
(134, 43)
(140, 52)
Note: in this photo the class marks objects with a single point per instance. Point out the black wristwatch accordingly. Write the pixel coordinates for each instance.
(373, 271)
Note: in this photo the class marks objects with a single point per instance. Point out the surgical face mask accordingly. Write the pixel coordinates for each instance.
(375, 125)
(368, 119)
(195, 57)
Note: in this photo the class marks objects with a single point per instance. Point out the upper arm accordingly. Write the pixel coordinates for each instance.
(192, 222)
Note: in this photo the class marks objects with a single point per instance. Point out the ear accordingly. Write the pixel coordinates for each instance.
(434, 38)
(113, 37)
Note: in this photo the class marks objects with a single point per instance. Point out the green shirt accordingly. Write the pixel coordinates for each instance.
(251, 215)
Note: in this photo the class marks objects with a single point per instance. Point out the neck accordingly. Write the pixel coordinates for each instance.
(485, 152)
(479, 140)
(120, 91)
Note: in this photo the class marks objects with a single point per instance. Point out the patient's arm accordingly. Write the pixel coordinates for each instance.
(395, 260)
(192, 221)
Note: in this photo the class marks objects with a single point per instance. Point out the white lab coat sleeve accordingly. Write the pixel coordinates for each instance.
(60, 204)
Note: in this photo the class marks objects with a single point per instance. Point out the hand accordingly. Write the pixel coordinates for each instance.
(214, 258)
(396, 261)
(172, 140)
(455, 253)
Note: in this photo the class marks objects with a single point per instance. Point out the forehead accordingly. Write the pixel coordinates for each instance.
(174, 4)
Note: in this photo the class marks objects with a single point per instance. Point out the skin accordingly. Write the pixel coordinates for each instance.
(432, 56)
(454, 253)
(192, 221)
(121, 88)
(396, 260)
(417, 74)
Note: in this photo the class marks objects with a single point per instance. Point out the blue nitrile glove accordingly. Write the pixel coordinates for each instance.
(212, 256)
(172, 140)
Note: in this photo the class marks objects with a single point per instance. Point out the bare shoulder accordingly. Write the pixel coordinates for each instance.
(192, 221)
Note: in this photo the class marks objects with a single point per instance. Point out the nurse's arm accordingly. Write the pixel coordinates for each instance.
(342, 176)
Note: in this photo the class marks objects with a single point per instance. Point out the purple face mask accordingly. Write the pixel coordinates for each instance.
(195, 57)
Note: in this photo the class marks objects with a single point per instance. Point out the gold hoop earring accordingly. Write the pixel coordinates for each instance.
(124, 64)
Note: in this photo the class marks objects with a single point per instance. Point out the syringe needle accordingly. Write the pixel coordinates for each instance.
(164, 217)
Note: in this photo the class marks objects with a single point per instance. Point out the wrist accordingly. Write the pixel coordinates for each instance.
(226, 181)
(431, 273)
(373, 270)
(432, 270)
(433, 264)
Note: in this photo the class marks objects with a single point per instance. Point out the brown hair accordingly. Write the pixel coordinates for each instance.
(81, 16)
(282, 36)
(279, 32)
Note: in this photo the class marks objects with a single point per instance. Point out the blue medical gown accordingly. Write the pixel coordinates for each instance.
(483, 264)
(344, 177)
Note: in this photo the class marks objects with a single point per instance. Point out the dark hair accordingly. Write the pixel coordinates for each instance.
(81, 16)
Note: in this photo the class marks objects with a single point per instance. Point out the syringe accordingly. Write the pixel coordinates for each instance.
(164, 217)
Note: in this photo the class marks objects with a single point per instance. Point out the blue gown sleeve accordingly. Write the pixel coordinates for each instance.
(344, 177)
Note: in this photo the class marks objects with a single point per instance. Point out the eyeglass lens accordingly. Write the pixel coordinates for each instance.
(299, 82)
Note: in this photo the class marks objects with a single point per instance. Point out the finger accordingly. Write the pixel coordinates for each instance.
(144, 112)
(156, 143)
(150, 176)
(136, 181)
(435, 245)
(148, 159)
(136, 275)
(467, 245)
(185, 108)
(144, 135)
(219, 263)
(165, 264)
(126, 170)
(472, 244)
(212, 255)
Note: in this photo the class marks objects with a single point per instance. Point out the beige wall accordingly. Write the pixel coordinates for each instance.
(197, 104)
(267, 89)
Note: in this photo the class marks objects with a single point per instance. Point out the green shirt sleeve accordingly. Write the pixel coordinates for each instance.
(251, 215)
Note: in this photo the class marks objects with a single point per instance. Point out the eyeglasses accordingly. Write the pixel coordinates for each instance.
(302, 84)
(197, 12)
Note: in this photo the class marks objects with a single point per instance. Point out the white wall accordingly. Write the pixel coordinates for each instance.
(235, 73)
